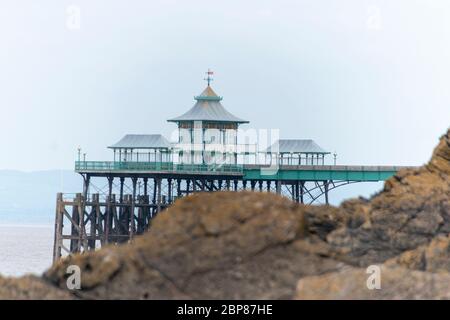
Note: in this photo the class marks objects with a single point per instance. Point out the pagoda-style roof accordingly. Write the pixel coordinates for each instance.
(296, 146)
(208, 108)
(142, 141)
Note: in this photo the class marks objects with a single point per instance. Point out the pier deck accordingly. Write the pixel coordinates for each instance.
(243, 172)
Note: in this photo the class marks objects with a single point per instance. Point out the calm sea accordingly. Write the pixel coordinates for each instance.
(25, 249)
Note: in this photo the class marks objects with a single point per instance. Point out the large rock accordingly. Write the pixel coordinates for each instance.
(433, 257)
(396, 283)
(30, 287)
(217, 245)
(412, 209)
(407, 224)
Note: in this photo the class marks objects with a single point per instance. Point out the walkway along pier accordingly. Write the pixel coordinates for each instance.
(148, 173)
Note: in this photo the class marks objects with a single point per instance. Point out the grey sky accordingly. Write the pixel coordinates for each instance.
(368, 79)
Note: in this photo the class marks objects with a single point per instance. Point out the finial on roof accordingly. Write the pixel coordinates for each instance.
(209, 78)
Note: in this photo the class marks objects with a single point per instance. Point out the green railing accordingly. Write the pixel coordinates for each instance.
(249, 172)
(110, 166)
(321, 173)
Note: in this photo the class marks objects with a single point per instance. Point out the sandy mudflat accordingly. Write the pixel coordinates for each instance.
(25, 249)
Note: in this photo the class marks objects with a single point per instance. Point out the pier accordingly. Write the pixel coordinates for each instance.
(148, 173)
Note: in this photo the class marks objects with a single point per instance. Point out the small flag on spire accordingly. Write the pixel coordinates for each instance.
(209, 78)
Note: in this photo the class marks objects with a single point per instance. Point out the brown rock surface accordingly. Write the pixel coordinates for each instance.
(253, 245)
(433, 257)
(217, 245)
(30, 287)
(413, 208)
(396, 283)
(408, 222)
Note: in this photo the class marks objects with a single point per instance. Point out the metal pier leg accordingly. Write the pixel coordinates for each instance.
(154, 191)
(147, 212)
(145, 186)
(82, 209)
(302, 190)
(158, 209)
(57, 244)
(122, 181)
(325, 184)
(297, 193)
(268, 183)
(178, 188)
(108, 220)
(121, 201)
(75, 224)
(188, 185)
(140, 214)
(169, 190)
(203, 185)
(126, 217)
(113, 228)
(132, 207)
(100, 221)
(210, 185)
(93, 221)
(278, 186)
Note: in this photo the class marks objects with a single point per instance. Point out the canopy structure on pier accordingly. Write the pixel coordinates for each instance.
(297, 152)
(142, 147)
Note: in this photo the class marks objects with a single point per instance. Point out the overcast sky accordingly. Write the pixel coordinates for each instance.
(368, 79)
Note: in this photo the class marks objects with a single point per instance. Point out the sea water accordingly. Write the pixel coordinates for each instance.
(25, 249)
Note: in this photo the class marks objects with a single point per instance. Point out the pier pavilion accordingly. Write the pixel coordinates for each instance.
(208, 124)
(147, 173)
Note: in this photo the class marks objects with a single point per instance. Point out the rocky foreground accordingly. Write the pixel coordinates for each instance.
(260, 246)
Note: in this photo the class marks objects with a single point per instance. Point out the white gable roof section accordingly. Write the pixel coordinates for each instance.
(296, 146)
(142, 141)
